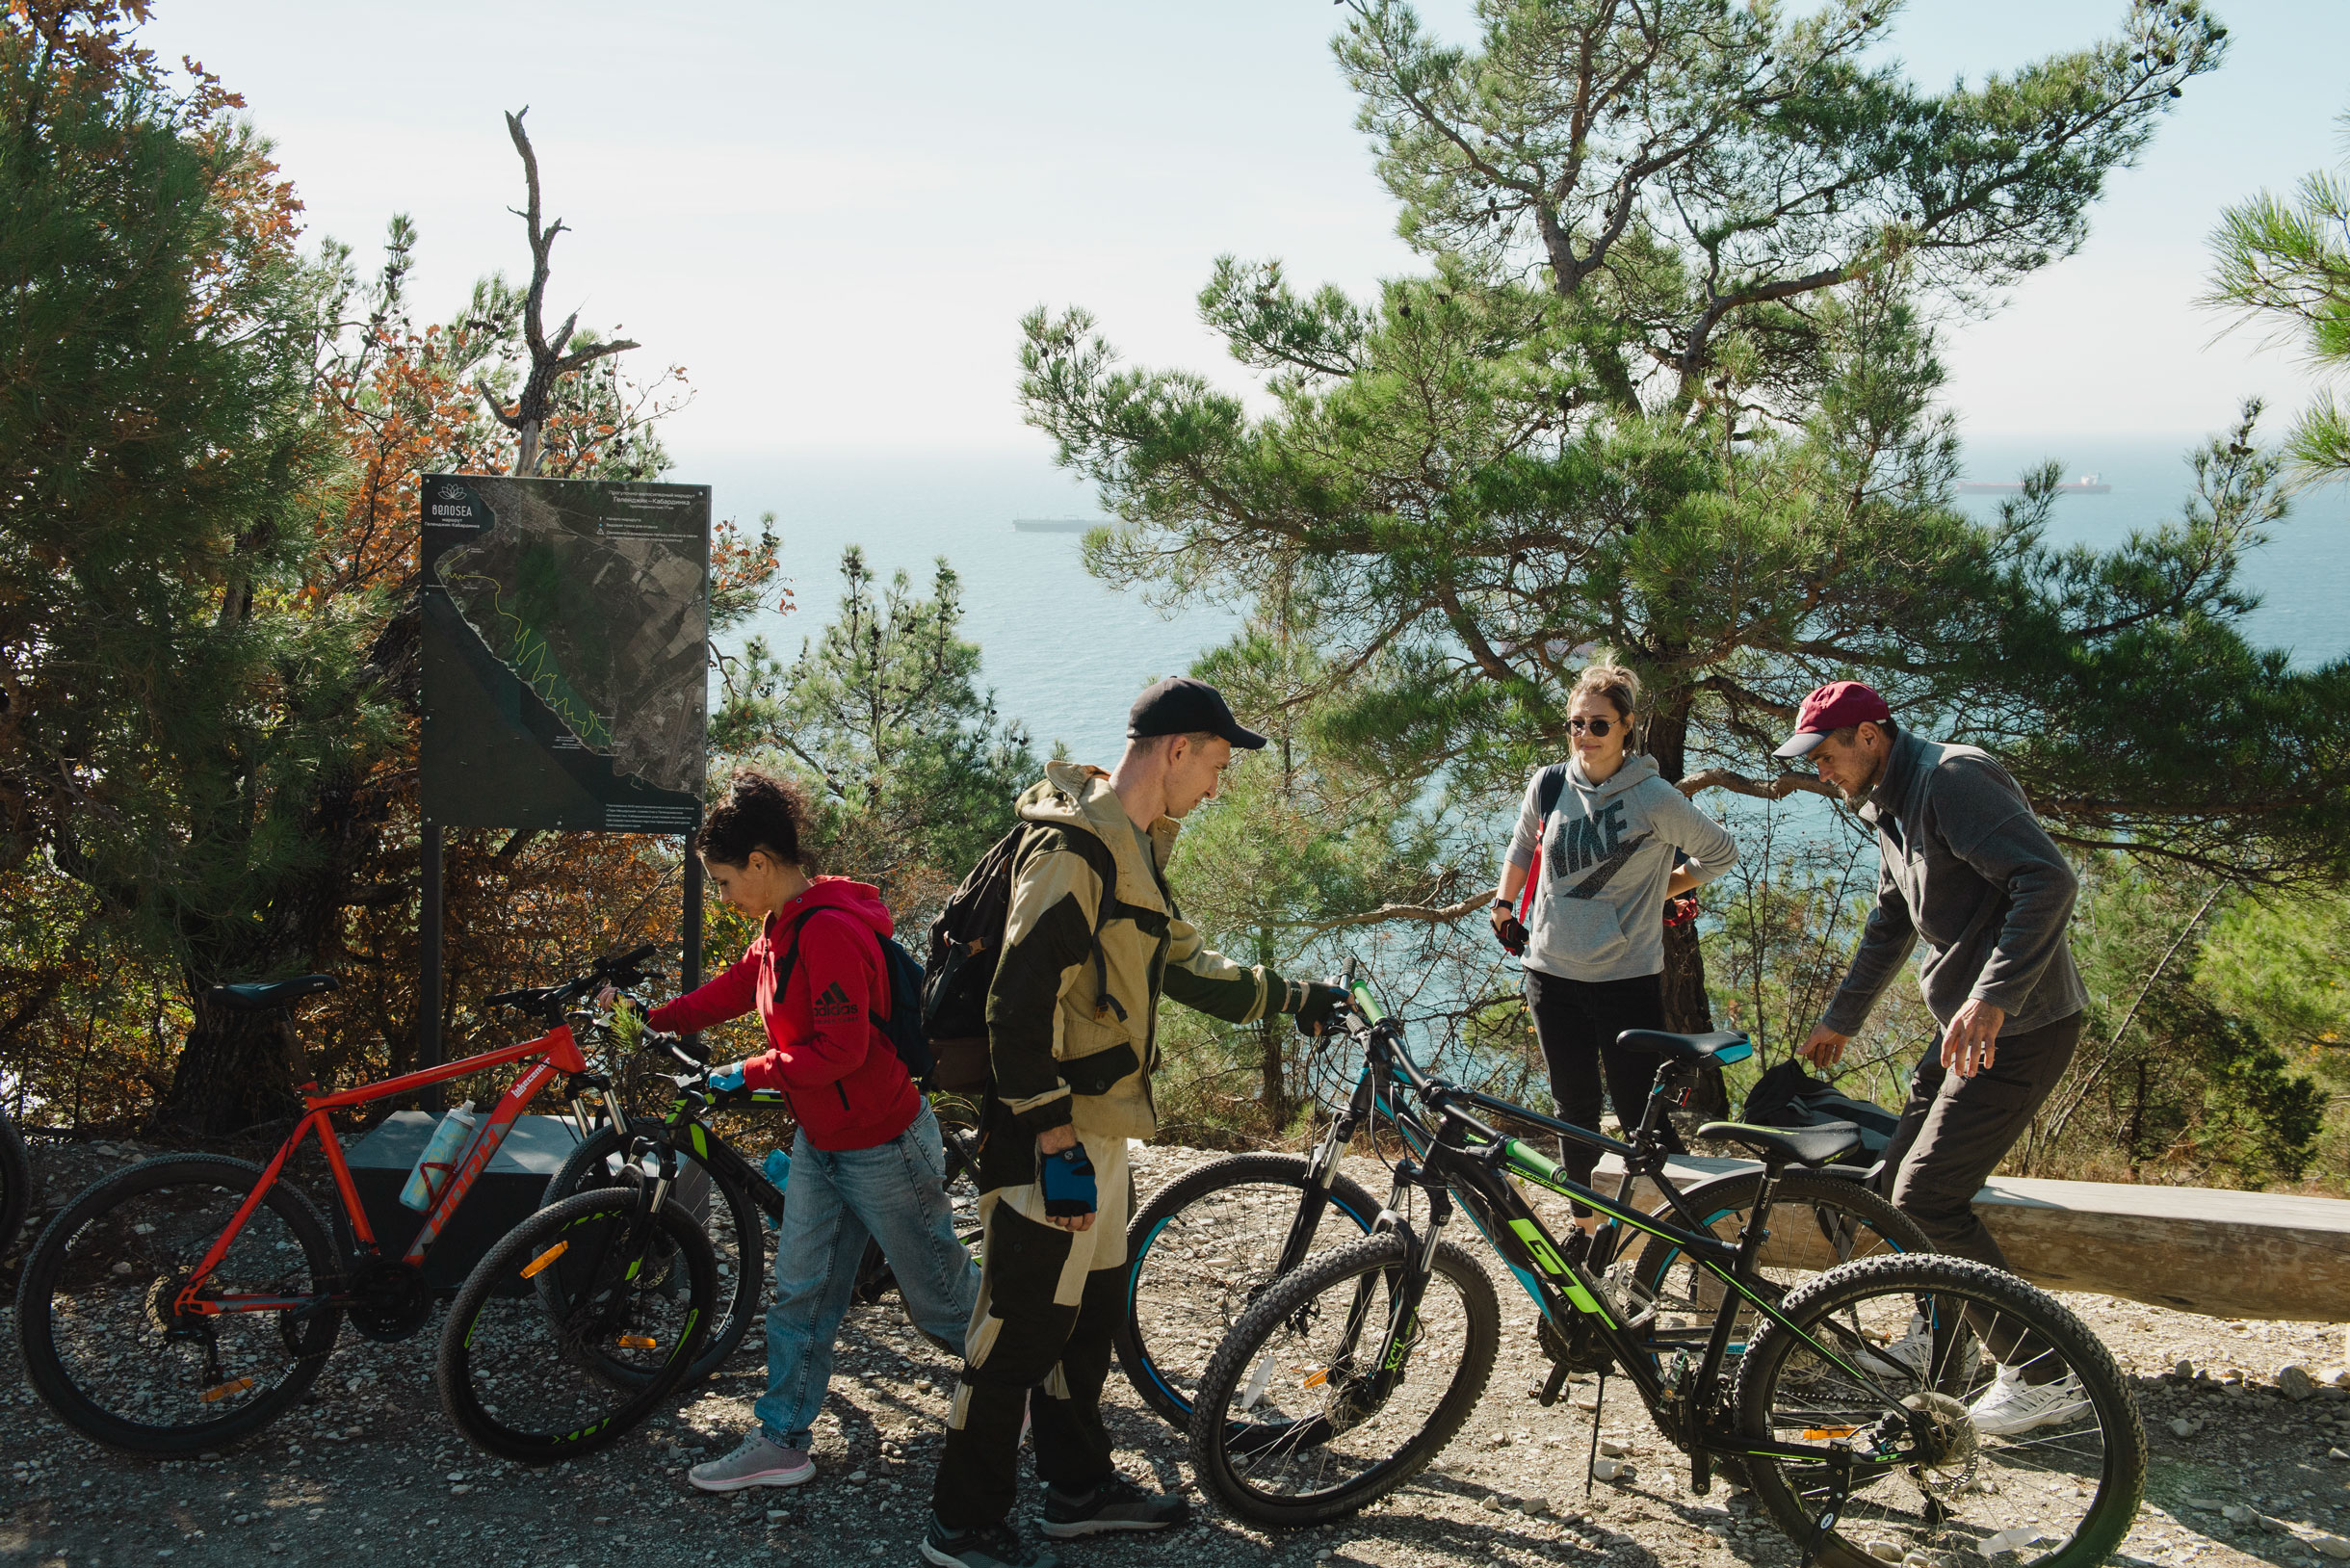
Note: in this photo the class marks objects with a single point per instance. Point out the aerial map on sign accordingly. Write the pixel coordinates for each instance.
(566, 663)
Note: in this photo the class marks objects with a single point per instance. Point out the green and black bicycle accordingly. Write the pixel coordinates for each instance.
(1855, 1404)
(1213, 1241)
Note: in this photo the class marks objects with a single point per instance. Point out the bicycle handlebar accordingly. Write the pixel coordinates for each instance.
(620, 967)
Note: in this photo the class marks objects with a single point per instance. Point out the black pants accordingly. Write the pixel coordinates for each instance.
(1953, 1134)
(1578, 1021)
(1046, 1359)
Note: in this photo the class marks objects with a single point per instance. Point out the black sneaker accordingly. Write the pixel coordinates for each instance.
(1117, 1503)
(982, 1546)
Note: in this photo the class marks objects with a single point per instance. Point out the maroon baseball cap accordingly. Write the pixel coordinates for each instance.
(1836, 705)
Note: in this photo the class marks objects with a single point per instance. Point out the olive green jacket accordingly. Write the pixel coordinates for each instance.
(1073, 1038)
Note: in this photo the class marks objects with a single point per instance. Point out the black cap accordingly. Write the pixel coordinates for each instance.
(1179, 705)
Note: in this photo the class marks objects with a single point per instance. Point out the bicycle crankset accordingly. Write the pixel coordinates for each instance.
(389, 1299)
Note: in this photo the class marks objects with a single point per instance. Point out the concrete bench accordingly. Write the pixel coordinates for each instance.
(2190, 1248)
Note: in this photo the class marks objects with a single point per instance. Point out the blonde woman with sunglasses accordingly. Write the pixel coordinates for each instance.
(1604, 859)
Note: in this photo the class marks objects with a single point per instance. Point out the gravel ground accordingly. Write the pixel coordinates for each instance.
(369, 1466)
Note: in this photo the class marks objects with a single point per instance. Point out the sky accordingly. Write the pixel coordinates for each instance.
(835, 217)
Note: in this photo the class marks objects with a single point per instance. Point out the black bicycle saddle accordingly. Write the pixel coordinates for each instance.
(262, 995)
(1788, 1145)
(1723, 1045)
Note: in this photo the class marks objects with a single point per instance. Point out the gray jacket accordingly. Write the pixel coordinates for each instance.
(1599, 909)
(1966, 866)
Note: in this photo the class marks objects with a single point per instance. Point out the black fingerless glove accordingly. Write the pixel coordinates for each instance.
(1320, 1005)
(1067, 1180)
(1510, 932)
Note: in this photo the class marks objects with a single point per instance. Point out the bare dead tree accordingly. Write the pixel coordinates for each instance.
(550, 362)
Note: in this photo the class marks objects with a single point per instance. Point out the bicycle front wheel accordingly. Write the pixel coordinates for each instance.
(1205, 1248)
(1300, 1417)
(729, 1216)
(111, 1345)
(1956, 1407)
(575, 1326)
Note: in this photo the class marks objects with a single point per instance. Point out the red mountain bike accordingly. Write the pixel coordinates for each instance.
(186, 1301)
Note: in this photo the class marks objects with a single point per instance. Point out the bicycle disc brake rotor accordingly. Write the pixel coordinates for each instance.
(389, 1299)
(1946, 1448)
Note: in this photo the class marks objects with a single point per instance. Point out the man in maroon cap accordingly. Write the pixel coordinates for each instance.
(1965, 871)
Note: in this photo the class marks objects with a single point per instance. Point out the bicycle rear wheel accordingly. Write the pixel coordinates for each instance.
(106, 1343)
(1203, 1248)
(1816, 1221)
(1288, 1428)
(575, 1326)
(730, 1220)
(2044, 1458)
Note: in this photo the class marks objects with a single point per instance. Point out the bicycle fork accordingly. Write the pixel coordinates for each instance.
(1407, 1286)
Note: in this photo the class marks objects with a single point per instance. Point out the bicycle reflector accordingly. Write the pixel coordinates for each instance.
(639, 1342)
(531, 1269)
(234, 1386)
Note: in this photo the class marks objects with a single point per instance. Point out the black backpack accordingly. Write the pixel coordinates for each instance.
(1789, 1096)
(904, 1023)
(967, 938)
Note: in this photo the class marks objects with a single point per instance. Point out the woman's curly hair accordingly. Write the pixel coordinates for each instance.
(760, 812)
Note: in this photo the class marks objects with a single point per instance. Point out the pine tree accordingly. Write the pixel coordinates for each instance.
(2284, 265)
(911, 767)
(1667, 390)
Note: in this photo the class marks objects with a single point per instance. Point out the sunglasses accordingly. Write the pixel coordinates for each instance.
(1597, 728)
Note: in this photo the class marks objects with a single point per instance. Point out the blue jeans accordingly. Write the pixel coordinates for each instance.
(895, 1193)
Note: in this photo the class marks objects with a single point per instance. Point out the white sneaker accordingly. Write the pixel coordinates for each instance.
(1911, 1357)
(2012, 1405)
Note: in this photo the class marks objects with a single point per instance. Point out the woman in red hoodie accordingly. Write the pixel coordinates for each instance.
(868, 1159)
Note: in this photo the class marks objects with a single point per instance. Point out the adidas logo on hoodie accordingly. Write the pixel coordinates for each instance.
(834, 1003)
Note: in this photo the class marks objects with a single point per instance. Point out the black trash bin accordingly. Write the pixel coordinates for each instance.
(505, 1194)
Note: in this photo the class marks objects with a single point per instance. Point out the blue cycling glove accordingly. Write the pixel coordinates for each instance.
(1067, 1179)
(728, 1079)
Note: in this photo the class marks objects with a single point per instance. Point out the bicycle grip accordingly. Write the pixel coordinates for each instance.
(626, 960)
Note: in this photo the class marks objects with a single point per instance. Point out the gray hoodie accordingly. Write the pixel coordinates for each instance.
(1599, 908)
(1966, 872)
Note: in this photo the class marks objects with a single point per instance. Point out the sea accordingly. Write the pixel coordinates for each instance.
(1065, 653)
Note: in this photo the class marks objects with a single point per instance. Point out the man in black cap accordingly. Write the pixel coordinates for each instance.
(1091, 939)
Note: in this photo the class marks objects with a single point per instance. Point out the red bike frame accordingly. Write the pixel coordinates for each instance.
(556, 1053)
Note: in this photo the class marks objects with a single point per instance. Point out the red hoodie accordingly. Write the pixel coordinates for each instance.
(843, 1075)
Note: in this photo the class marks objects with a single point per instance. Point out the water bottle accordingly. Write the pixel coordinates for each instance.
(778, 1168)
(439, 1160)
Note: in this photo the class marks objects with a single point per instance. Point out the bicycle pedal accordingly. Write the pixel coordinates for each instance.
(1546, 1393)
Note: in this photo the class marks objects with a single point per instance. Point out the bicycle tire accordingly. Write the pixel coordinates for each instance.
(1910, 1283)
(1359, 1266)
(58, 1276)
(739, 1292)
(1159, 1376)
(15, 1184)
(465, 1369)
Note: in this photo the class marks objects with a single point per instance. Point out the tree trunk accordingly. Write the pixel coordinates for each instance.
(236, 1071)
(1275, 1080)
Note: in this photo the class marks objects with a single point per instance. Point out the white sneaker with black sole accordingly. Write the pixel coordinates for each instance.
(2011, 1405)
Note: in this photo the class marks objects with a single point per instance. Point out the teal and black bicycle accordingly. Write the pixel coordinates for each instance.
(1873, 1409)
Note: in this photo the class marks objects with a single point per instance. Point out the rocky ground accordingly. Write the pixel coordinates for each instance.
(2243, 1471)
